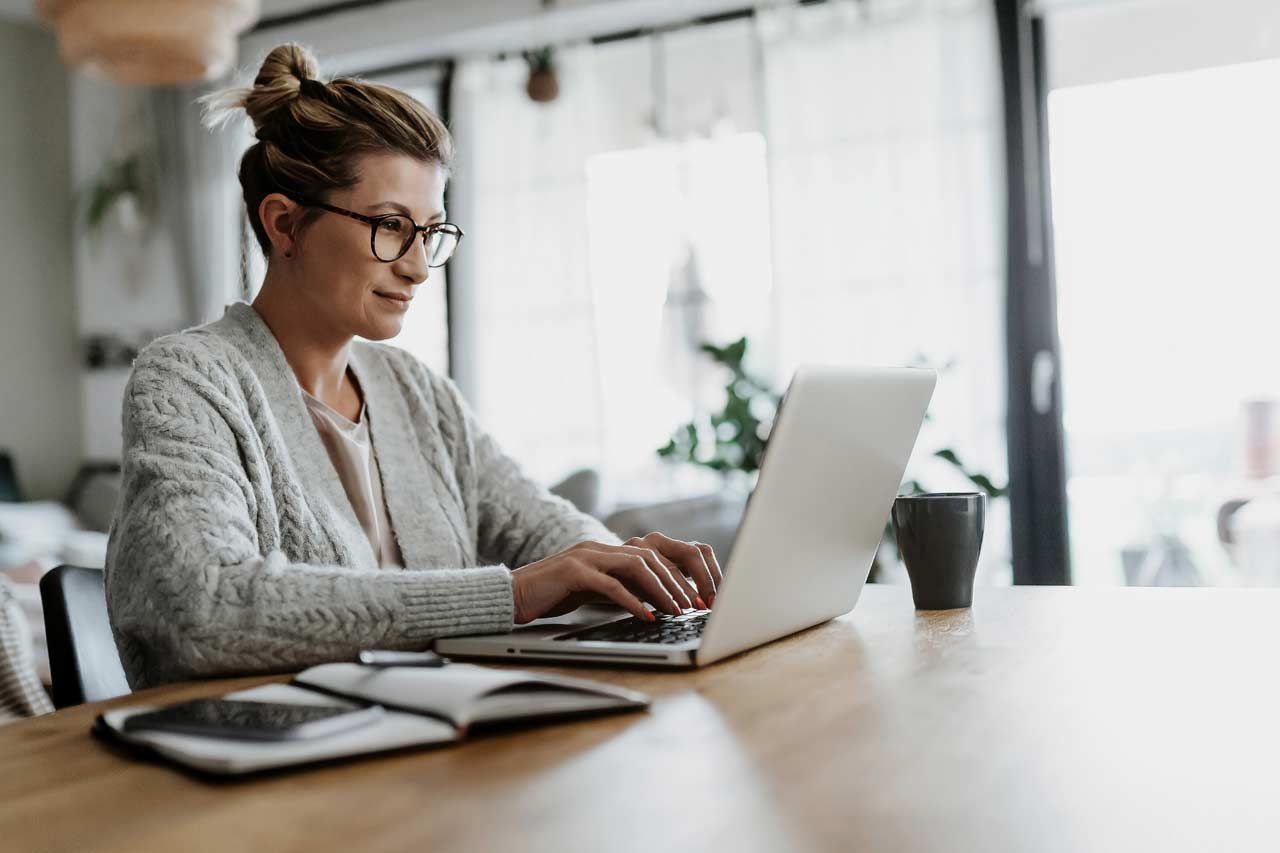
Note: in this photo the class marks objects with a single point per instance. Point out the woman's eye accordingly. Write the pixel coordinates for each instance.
(393, 226)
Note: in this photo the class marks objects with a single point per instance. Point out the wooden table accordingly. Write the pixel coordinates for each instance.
(1044, 719)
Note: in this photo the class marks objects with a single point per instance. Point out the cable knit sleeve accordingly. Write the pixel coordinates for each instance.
(517, 520)
(192, 592)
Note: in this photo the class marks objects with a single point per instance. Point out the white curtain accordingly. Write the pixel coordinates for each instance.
(679, 239)
(524, 339)
(199, 200)
(886, 161)
(589, 215)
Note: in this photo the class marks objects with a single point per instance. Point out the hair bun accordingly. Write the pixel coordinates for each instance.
(312, 89)
(282, 76)
(286, 67)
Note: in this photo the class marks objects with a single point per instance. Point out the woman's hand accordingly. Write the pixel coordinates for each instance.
(672, 575)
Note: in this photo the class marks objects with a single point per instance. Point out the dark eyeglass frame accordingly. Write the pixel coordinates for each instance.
(375, 221)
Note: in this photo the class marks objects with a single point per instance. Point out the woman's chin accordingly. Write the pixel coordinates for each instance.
(383, 328)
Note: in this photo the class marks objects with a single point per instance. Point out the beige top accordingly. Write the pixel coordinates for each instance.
(352, 455)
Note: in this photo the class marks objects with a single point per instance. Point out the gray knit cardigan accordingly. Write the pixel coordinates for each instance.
(234, 548)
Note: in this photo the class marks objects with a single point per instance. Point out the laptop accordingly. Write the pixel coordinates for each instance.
(835, 460)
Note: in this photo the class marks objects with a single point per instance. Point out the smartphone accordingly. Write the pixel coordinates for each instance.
(242, 720)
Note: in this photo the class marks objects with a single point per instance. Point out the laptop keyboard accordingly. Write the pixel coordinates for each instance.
(668, 630)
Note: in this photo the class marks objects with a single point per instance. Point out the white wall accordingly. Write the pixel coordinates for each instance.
(1097, 41)
(39, 351)
(126, 283)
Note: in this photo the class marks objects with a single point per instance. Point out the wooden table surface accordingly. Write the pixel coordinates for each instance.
(1044, 719)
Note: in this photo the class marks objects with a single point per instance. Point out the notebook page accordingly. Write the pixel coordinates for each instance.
(456, 692)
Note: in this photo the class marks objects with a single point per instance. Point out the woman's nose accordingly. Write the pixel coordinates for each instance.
(412, 265)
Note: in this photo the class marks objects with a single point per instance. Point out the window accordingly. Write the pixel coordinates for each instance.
(679, 243)
(1165, 216)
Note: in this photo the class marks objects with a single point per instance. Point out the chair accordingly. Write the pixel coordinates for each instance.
(9, 491)
(21, 693)
(83, 660)
(713, 519)
(581, 488)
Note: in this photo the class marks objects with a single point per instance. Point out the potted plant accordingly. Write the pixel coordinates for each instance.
(731, 441)
(543, 85)
(119, 186)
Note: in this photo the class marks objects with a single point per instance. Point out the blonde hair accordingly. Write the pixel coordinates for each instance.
(310, 132)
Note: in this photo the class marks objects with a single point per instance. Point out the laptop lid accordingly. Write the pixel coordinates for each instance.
(835, 460)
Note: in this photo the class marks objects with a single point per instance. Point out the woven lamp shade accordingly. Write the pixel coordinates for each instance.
(150, 42)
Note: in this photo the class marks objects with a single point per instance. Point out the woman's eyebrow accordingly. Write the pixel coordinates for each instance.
(400, 208)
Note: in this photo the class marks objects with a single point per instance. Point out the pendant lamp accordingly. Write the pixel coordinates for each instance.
(149, 42)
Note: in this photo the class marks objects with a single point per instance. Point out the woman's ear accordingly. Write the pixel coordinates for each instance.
(279, 215)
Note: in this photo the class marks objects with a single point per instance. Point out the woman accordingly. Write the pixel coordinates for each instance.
(291, 494)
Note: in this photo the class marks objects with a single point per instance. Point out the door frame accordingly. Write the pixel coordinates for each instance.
(1036, 444)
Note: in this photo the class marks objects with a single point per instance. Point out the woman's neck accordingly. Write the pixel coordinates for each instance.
(317, 353)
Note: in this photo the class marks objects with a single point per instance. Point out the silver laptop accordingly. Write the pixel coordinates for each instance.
(836, 457)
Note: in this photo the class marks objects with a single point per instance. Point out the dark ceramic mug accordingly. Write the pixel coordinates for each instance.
(939, 538)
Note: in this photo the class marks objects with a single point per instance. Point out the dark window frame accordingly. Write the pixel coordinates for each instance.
(1037, 455)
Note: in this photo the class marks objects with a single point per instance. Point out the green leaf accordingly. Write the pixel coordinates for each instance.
(983, 482)
(116, 179)
(737, 351)
(950, 456)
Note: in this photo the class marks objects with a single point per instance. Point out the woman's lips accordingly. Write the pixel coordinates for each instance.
(398, 299)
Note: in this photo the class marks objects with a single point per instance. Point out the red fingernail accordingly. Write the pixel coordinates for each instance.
(711, 599)
(702, 605)
(648, 615)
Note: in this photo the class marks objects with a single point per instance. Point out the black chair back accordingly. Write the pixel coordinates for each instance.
(9, 491)
(83, 660)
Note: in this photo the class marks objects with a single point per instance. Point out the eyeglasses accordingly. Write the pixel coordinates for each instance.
(391, 235)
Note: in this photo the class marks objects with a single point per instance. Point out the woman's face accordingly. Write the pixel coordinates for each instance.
(341, 281)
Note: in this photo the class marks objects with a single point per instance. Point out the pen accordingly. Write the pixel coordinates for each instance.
(380, 657)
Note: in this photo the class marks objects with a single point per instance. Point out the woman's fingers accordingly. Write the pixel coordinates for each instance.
(671, 575)
(712, 563)
(678, 577)
(597, 581)
(692, 560)
(668, 572)
(668, 575)
(636, 569)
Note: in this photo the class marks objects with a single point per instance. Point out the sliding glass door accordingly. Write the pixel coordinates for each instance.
(1165, 184)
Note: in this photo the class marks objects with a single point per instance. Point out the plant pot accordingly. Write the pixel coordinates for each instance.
(543, 85)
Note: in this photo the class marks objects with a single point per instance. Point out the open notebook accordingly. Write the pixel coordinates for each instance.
(425, 706)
